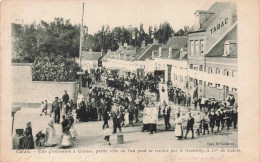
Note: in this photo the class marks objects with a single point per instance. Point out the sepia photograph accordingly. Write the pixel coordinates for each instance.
(98, 75)
(126, 86)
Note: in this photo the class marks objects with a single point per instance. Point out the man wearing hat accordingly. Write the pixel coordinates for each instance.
(56, 109)
(65, 98)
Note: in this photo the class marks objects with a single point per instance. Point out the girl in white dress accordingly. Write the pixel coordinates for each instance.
(178, 127)
(50, 135)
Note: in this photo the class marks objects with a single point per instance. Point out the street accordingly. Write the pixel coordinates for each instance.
(90, 134)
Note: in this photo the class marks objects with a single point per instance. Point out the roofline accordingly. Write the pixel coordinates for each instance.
(145, 52)
(204, 11)
(197, 31)
(224, 34)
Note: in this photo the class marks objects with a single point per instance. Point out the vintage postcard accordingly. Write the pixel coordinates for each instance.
(112, 80)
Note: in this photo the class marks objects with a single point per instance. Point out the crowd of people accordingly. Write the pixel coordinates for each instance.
(122, 100)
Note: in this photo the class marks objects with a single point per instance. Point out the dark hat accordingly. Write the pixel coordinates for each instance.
(56, 98)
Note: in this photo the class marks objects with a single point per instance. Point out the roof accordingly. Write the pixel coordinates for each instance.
(144, 54)
(177, 42)
(216, 8)
(218, 49)
(140, 51)
(90, 55)
(103, 58)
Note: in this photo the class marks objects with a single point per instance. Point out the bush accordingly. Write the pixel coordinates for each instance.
(54, 69)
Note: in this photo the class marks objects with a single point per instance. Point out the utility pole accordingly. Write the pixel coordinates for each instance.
(80, 51)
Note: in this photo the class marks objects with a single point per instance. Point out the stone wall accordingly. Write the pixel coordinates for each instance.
(24, 90)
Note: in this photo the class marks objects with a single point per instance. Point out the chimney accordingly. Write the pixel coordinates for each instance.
(143, 44)
(153, 54)
(201, 16)
(155, 41)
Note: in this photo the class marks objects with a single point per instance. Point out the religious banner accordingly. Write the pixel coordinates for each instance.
(140, 74)
(163, 91)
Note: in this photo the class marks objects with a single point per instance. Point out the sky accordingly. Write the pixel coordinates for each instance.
(108, 12)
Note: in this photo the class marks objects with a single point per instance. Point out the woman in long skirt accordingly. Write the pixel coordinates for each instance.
(28, 139)
(178, 127)
(50, 135)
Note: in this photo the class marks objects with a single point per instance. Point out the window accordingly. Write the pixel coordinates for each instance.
(202, 47)
(197, 48)
(191, 66)
(217, 85)
(196, 68)
(191, 48)
(226, 51)
(234, 73)
(175, 77)
(226, 72)
(181, 78)
(205, 83)
(217, 71)
(210, 84)
(200, 82)
(210, 70)
(201, 67)
(190, 79)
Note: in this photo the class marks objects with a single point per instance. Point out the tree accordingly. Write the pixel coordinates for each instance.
(58, 37)
(164, 32)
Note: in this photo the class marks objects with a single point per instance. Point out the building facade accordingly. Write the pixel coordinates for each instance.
(208, 67)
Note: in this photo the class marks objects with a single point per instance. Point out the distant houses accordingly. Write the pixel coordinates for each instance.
(206, 58)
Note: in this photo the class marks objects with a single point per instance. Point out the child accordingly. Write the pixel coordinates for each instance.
(107, 133)
(40, 138)
(205, 124)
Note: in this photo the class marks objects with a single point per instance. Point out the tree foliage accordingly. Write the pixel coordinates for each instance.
(54, 69)
(58, 37)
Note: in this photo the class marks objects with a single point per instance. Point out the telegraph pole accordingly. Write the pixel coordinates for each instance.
(80, 51)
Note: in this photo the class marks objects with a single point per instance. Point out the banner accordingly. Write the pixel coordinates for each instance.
(163, 91)
(140, 74)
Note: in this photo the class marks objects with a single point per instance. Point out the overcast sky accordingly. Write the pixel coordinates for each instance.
(112, 12)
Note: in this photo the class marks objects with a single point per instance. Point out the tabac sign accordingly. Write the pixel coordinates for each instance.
(219, 26)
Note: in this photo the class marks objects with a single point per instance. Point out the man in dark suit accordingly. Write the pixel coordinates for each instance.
(56, 109)
(65, 98)
(116, 114)
(167, 112)
(190, 125)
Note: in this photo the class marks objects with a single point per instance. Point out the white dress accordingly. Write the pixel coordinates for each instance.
(126, 118)
(51, 136)
(178, 127)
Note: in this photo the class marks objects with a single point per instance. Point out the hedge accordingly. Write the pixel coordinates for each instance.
(54, 69)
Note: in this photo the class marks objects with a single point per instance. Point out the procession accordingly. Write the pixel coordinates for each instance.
(126, 86)
(136, 104)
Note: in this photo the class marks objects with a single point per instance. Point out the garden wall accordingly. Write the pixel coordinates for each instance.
(24, 90)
